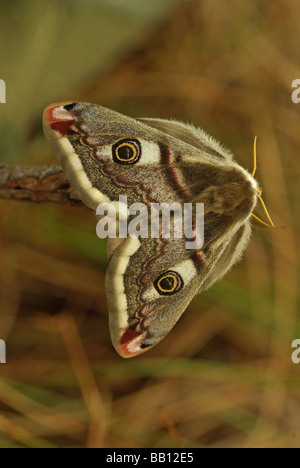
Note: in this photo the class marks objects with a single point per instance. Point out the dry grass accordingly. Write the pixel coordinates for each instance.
(224, 376)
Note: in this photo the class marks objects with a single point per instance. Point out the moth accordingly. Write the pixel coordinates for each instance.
(151, 281)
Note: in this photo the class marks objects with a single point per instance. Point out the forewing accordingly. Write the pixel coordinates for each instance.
(84, 136)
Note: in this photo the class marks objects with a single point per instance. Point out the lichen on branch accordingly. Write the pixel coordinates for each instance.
(39, 184)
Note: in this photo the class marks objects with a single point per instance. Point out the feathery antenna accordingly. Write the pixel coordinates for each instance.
(259, 192)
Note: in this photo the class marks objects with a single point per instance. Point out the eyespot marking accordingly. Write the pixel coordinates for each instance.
(126, 151)
(168, 283)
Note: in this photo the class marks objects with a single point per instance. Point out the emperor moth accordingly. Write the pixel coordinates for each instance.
(151, 281)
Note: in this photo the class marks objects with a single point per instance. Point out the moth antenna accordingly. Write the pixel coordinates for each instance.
(259, 221)
(265, 210)
(254, 157)
(259, 192)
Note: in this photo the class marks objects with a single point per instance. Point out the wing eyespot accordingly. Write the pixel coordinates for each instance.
(126, 151)
(168, 283)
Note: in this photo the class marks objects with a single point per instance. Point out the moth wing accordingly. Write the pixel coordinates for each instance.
(190, 135)
(149, 282)
(84, 137)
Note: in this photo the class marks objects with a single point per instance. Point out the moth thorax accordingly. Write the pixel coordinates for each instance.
(231, 193)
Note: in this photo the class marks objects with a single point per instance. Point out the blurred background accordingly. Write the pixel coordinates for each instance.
(224, 376)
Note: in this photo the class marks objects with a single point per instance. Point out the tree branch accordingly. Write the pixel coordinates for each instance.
(38, 184)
